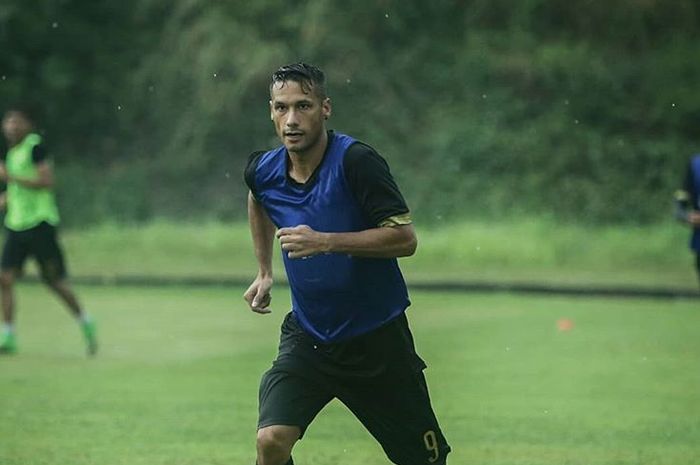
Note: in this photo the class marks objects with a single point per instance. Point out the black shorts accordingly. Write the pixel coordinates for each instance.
(378, 376)
(39, 242)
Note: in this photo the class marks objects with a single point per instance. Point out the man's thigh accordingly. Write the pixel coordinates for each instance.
(47, 251)
(290, 399)
(292, 391)
(14, 251)
(396, 409)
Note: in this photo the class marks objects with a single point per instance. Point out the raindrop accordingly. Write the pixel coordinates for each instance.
(214, 74)
(673, 105)
(54, 25)
(546, 412)
(507, 349)
(386, 15)
(119, 107)
(483, 95)
(4, 77)
(575, 121)
(566, 102)
(478, 248)
(348, 80)
(228, 175)
(151, 88)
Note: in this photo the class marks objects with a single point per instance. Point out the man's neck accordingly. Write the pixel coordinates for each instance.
(303, 164)
(15, 143)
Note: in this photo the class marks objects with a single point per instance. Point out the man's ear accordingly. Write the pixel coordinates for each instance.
(327, 108)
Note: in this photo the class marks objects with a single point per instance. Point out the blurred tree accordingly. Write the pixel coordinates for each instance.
(69, 58)
(583, 110)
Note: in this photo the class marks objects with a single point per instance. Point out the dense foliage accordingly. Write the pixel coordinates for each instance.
(582, 110)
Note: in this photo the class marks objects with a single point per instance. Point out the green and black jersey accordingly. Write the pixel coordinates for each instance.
(28, 207)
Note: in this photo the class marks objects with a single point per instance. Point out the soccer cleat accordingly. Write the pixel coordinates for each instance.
(8, 344)
(90, 333)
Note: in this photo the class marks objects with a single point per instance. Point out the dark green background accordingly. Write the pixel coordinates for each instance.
(582, 110)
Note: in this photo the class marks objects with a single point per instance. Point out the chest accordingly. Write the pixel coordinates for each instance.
(19, 163)
(325, 205)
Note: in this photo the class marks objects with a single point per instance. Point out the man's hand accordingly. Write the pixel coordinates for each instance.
(694, 218)
(258, 295)
(3, 173)
(302, 241)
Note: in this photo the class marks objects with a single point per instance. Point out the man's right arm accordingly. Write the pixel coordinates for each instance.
(262, 231)
(3, 180)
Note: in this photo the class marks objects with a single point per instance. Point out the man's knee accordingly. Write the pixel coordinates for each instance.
(275, 443)
(51, 275)
(7, 279)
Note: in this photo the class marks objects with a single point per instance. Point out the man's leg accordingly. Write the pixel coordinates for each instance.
(275, 443)
(288, 403)
(7, 282)
(63, 290)
(697, 264)
(291, 395)
(394, 404)
(14, 253)
(87, 325)
(398, 413)
(53, 272)
(7, 337)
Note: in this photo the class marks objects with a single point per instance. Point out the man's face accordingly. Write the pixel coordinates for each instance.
(298, 116)
(15, 127)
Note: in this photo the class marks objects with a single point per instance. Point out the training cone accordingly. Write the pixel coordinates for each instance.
(565, 324)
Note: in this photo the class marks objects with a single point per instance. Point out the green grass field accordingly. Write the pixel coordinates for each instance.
(176, 381)
(521, 250)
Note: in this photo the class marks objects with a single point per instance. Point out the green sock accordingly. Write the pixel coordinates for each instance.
(8, 343)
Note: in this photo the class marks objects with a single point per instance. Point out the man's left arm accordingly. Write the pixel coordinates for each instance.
(685, 204)
(375, 190)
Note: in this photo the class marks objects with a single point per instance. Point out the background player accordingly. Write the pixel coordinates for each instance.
(31, 220)
(688, 205)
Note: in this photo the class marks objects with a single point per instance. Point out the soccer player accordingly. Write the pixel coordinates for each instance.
(341, 222)
(688, 205)
(31, 220)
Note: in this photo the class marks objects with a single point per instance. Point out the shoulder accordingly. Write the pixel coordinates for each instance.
(694, 166)
(252, 164)
(251, 167)
(39, 153)
(254, 158)
(360, 154)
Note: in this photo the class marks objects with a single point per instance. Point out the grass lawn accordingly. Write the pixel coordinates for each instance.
(529, 250)
(176, 381)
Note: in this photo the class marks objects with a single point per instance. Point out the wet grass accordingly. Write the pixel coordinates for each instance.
(176, 381)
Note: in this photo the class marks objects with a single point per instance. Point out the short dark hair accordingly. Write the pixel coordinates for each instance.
(26, 109)
(309, 77)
